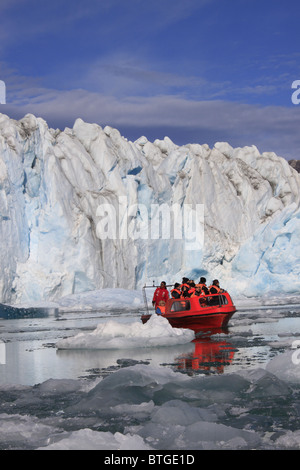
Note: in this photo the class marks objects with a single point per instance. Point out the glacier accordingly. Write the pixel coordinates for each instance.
(54, 186)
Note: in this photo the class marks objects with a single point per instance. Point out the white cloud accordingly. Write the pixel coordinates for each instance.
(123, 75)
(271, 128)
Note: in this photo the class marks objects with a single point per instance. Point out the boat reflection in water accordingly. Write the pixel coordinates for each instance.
(211, 355)
(206, 315)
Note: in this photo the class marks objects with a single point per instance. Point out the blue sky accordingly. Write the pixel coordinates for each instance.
(196, 70)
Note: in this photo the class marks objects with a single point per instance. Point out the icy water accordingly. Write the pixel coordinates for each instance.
(234, 389)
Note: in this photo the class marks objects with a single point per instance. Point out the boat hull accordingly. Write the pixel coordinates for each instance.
(198, 316)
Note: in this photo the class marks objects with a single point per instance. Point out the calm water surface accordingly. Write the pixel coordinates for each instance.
(31, 356)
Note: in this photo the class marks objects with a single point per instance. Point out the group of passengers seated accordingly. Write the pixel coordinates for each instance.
(186, 289)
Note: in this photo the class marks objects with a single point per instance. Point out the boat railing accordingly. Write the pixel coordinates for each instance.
(211, 300)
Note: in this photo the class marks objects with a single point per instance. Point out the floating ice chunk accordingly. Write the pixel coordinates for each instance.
(142, 411)
(59, 386)
(178, 412)
(290, 440)
(266, 384)
(132, 385)
(86, 439)
(218, 436)
(114, 335)
(286, 366)
(16, 430)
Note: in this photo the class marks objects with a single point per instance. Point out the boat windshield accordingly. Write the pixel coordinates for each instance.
(180, 305)
(213, 300)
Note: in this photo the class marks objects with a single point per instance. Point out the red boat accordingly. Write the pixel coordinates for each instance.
(198, 313)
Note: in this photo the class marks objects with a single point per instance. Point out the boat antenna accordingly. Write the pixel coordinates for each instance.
(145, 298)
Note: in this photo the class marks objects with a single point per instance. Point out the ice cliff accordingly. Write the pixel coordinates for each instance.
(52, 184)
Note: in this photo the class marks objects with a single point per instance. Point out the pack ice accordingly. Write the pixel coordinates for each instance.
(53, 182)
(145, 407)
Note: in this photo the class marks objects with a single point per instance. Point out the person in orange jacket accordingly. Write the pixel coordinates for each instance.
(215, 287)
(192, 288)
(176, 292)
(161, 308)
(203, 286)
(184, 287)
(161, 293)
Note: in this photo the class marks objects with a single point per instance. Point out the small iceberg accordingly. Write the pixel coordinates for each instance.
(115, 335)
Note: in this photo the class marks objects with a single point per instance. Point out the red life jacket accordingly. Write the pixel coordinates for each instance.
(184, 285)
(204, 288)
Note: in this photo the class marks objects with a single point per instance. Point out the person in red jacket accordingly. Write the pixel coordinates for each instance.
(161, 293)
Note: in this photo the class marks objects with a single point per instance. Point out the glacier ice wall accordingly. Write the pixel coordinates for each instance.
(52, 184)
